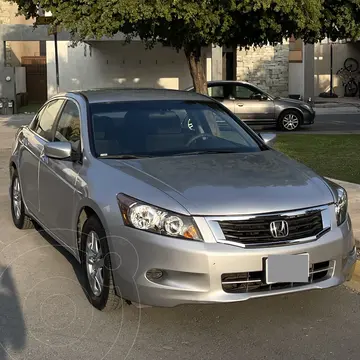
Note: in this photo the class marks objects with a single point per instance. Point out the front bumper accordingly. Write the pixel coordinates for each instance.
(308, 118)
(193, 270)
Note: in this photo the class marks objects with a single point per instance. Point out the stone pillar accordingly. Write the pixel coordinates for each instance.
(216, 63)
(309, 71)
(2, 53)
(296, 68)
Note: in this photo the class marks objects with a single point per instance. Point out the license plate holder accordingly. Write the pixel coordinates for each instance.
(287, 269)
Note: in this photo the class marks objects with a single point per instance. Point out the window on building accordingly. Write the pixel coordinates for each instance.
(42, 48)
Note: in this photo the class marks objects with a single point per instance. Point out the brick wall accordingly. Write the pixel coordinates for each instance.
(266, 67)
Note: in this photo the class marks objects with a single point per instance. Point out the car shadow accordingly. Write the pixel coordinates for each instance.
(64, 252)
(12, 325)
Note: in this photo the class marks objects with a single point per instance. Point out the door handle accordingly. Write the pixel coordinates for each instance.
(241, 105)
(43, 158)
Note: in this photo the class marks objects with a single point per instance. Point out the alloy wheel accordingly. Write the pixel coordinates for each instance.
(16, 197)
(290, 122)
(94, 263)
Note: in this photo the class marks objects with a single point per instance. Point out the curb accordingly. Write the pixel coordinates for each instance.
(325, 104)
(354, 283)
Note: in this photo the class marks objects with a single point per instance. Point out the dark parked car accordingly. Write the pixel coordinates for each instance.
(256, 107)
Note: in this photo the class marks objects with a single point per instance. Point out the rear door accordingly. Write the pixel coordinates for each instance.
(222, 92)
(252, 105)
(33, 140)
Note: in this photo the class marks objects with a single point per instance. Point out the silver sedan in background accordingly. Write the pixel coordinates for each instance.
(167, 198)
(256, 107)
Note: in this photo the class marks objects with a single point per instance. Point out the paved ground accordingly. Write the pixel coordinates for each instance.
(44, 313)
(334, 121)
(328, 120)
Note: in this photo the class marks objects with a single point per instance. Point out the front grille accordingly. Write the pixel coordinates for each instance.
(254, 281)
(256, 231)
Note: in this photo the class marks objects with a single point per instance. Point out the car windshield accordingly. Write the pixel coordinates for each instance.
(166, 128)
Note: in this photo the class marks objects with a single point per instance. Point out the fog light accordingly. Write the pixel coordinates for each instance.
(154, 274)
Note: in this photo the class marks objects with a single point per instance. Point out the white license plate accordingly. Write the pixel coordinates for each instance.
(287, 268)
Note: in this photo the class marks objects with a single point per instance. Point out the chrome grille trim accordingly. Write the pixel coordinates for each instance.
(215, 227)
(257, 282)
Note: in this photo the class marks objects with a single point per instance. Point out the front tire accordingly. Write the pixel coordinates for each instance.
(20, 219)
(96, 266)
(351, 88)
(289, 120)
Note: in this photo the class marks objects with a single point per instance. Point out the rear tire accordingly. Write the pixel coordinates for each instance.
(20, 219)
(289, 120)
(96, 266)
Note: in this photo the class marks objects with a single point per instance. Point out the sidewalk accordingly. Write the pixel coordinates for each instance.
(353, 191)
(341, 102)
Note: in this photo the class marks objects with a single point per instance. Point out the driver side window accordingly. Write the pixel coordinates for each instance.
(245, 92)
(46, 119)
(68, 127)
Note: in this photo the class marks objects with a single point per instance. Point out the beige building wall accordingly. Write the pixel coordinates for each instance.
(113, 64)
(16, 49)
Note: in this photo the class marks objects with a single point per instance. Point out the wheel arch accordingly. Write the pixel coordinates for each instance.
(298, 111)
(86, 210)
(12, 167)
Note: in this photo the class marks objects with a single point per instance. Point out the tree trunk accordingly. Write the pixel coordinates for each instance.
(197, 70)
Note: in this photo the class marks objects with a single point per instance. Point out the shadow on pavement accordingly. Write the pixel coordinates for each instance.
(12, 324)
(64, 252)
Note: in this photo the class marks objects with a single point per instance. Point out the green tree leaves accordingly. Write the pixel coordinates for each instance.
(193, 24)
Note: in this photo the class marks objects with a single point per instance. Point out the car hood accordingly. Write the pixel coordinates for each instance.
(231, 184)
(291, 101)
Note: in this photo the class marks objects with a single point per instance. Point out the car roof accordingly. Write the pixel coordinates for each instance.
(227, 82)
(222, 82)
(139, 94)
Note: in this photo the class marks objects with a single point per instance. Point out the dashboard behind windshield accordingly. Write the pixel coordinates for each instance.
(165, 128)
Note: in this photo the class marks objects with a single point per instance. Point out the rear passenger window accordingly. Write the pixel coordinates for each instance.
(46, 119)
(68, 128)
(216, 91)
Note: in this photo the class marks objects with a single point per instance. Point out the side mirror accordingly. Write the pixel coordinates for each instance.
(260, 97)
(268, 138)
(58, 150)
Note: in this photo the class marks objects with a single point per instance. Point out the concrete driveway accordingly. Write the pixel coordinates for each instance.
(44, 313)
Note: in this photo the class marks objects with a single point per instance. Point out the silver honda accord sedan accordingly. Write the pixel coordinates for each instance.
(166, 198)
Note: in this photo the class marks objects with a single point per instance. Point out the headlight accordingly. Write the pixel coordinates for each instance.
(147, 217)
(341, 205)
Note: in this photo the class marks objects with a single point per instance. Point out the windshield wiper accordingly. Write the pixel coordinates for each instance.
(123, 156)
(200, 152)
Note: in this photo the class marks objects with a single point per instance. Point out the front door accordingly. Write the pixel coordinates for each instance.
(252, 105)
(222, 92)
(57, 179)
(33, 141)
